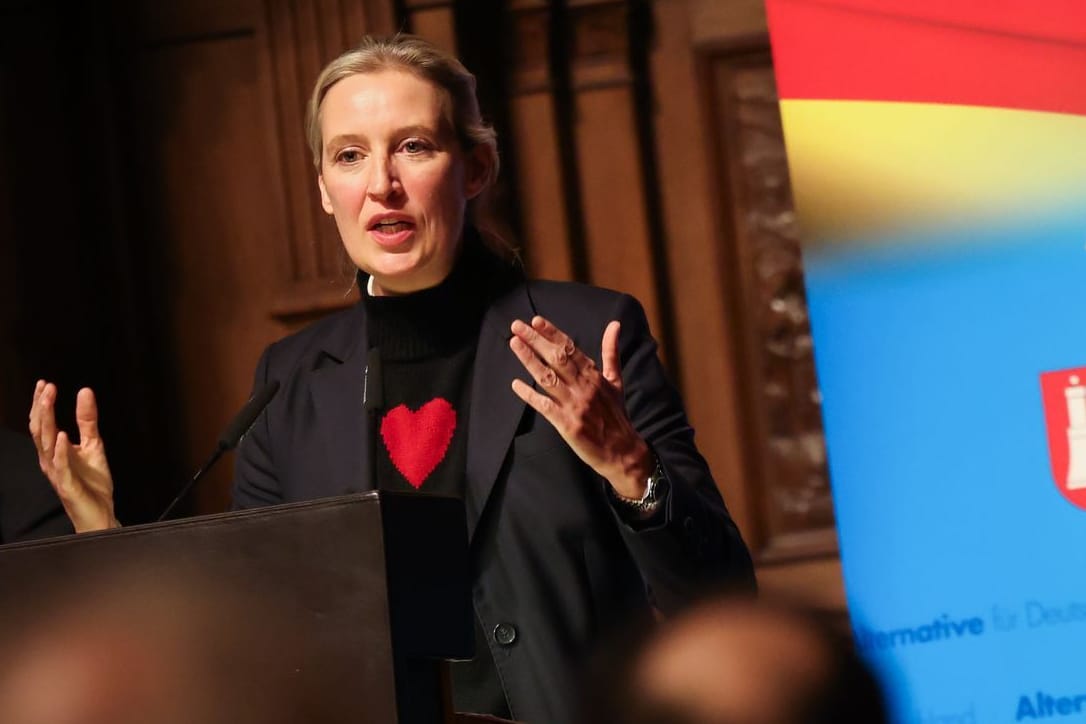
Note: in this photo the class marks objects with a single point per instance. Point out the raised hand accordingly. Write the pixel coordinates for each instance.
(586, 406)
(79, 473)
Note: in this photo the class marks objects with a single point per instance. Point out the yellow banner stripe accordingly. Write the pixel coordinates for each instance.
(861, 167)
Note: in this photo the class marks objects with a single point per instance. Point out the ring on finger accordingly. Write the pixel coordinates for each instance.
(567, 354)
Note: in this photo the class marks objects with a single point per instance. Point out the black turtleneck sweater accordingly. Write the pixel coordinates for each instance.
(427, 344)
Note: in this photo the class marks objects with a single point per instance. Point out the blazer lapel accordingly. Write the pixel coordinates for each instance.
(340, 424)
(495, 408)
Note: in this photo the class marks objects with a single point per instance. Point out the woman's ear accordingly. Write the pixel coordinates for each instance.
(326, 201)
(478, 169)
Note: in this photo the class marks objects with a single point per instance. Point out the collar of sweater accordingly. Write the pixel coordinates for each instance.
(436, 321)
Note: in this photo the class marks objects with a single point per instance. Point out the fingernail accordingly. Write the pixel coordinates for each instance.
(519, 326)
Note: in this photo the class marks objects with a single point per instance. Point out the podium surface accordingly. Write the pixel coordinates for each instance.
(369, 591)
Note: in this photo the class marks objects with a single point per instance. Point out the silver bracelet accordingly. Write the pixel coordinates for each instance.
(656, 489)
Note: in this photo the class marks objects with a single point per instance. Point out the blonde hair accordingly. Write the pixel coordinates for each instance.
(427, 62)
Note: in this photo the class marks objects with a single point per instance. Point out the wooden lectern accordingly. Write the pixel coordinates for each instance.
(375, 584)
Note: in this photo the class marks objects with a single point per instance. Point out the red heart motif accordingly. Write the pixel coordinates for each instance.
(417, 441)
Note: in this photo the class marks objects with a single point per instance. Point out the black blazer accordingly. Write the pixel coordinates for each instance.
(29, 508)
(554, 563)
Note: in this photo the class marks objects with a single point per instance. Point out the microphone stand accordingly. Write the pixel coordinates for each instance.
(230, 437)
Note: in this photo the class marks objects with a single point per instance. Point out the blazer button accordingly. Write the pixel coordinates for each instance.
(505, 634)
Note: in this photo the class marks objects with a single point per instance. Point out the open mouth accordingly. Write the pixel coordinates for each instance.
(392, 226)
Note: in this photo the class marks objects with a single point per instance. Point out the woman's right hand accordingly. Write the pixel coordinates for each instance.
(79, 473)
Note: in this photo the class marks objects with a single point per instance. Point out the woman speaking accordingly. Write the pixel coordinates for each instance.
(542, 405)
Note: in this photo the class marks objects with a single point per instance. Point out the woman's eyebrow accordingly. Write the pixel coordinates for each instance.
(416, 130)
(343, 138)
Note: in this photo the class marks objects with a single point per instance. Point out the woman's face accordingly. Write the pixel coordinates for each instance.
(395, 178)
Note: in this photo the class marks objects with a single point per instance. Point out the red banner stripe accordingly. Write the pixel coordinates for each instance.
(1062, 20)
(860, 50)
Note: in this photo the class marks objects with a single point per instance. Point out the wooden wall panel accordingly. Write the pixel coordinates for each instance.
(619, 255)
(782, 407)
(434, 20)
(608, 153)
(735, 258)
(543, 212)
(791, 528)
(577, 148)
(534, 131)
(816, 581)
(717, 23)
(216, 212)
(705, 350)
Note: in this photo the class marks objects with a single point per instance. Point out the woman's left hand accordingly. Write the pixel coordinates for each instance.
(586, 406)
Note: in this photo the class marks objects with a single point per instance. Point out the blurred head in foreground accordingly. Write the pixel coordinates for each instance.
(125, 651)
(737, 661)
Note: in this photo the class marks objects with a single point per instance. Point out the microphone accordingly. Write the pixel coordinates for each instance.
(373, 389)
(230, 437)
(373, 400)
